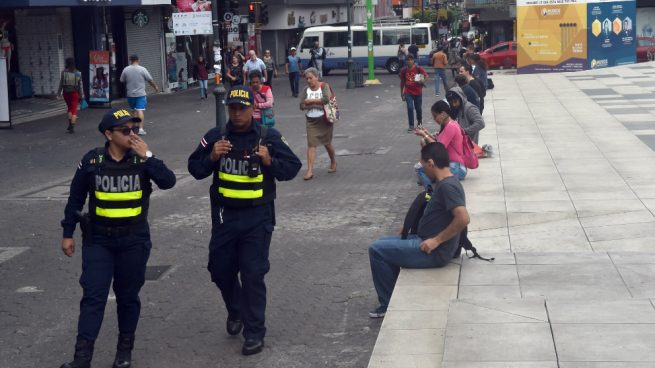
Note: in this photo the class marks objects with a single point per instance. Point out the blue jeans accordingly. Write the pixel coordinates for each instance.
(414, 102)
(294, 78)
(203, 88)
(456, 169)
(439, 76)
(389, 254)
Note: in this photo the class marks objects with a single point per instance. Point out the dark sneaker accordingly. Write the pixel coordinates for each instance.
(410, 130)
(233, 326)
(252, 346)
(379, 312)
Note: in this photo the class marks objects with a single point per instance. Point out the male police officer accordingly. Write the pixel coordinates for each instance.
(116, 238)
(244, 160)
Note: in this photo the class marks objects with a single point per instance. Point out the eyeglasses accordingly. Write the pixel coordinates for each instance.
(127, 130)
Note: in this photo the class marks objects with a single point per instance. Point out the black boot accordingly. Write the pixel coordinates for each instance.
(83, 355)
(70, 127)
(124, 351)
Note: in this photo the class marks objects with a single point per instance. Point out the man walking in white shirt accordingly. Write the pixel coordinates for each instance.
(135, 77)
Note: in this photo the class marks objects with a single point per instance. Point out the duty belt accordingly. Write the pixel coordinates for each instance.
(115, 231)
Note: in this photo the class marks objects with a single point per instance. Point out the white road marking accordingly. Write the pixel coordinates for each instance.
(29, 289)
(7, 253)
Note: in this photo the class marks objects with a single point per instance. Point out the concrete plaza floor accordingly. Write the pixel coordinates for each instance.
(567, 208)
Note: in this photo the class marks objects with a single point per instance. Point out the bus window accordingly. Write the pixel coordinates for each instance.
(395, 36)
(335, 39)
(308, 42)
(361, 39)
(420, 36)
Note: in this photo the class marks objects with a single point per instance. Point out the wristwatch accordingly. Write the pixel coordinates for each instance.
(149, 154)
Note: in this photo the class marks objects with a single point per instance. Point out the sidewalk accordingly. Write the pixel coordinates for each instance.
(566, 206)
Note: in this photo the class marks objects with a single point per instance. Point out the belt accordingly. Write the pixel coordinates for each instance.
(114, 231)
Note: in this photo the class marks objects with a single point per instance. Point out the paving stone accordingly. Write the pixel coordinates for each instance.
(406, 361)
(490, 342)
(632, 258)
(582, 311)
(640, 279)
(488, 274)
(605, 342)
(561, 258)
(593, 281)
(448, 275)
(490, 292)
(425, 298)
(414, 320)
(500, 364)
(464, 311)
(409, 342)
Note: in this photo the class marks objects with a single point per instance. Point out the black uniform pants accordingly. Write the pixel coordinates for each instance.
(239, 247)
(124, 259)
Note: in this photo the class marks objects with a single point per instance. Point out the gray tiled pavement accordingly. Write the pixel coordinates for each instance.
(567, 207)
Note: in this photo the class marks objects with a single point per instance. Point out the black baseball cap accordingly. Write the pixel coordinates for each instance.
(240, 95)
(116, 117)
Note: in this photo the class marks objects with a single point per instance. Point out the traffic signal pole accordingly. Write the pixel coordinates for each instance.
(369, 33)
(219, 90)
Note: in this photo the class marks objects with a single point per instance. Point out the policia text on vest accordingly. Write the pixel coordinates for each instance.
(244, 162)
(116, 241)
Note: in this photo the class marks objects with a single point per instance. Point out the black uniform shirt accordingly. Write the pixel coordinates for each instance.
(79, 189)
(284, 164)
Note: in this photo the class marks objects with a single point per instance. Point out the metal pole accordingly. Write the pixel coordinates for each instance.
(350, 84)
(219, 90)
(369, 34)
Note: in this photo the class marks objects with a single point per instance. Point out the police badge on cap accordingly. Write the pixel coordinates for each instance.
(240, 95)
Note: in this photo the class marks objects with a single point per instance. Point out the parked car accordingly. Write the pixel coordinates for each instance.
(645, 49)
(501, 55)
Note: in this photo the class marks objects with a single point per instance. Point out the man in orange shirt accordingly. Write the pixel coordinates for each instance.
(439, 63)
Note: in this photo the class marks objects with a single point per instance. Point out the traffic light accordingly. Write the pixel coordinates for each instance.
(234, 6)
(251, 13)
(263, 13)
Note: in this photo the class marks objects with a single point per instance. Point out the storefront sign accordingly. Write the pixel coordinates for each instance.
(189, 24)
(4, 93)
(99, 76)
(140, 18)
(185, 6)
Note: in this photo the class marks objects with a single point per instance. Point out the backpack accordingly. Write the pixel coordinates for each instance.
(490, 83)
(468, 151)
(413, 216)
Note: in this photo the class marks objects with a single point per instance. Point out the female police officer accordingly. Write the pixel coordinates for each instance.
(116, 238)
(244, 161)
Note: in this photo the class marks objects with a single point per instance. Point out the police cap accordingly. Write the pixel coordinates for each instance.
(116, 117)
(240, 95)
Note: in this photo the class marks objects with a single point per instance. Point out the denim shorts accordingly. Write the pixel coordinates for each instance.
(137, 103)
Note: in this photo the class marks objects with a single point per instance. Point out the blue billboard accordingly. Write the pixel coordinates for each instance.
(611, 33)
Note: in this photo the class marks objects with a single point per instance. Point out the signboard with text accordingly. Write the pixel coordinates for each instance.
(189, 24)
(612, 33)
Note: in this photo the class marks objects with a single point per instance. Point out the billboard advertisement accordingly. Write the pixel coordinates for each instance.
(99, 76)
(611, 37)
(552, 35)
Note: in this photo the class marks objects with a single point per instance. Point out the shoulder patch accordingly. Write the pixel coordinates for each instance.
(284, 140)
(203, 142)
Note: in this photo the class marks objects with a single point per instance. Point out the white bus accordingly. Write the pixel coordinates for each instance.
(386, 38)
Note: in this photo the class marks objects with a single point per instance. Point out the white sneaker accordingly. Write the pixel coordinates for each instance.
(142, 131)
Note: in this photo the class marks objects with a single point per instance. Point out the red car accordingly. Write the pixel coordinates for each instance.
(502, 55)
(645, 49)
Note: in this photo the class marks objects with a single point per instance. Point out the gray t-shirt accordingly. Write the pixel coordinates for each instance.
(447, 195)
(135, 78)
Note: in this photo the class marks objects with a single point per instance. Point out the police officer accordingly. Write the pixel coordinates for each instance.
(116, 237)
(244, 160)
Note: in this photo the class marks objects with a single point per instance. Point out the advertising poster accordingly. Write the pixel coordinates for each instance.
(4, 92)
(552, 35)
(194, 5)
(611, 37)
(171, 62)
(99, 76)
(181, 66)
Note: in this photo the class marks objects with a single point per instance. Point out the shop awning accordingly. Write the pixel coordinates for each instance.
(53, 3)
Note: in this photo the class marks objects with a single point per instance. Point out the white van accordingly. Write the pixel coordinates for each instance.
(386, 38)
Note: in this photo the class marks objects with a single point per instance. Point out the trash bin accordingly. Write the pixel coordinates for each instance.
(358, 74)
